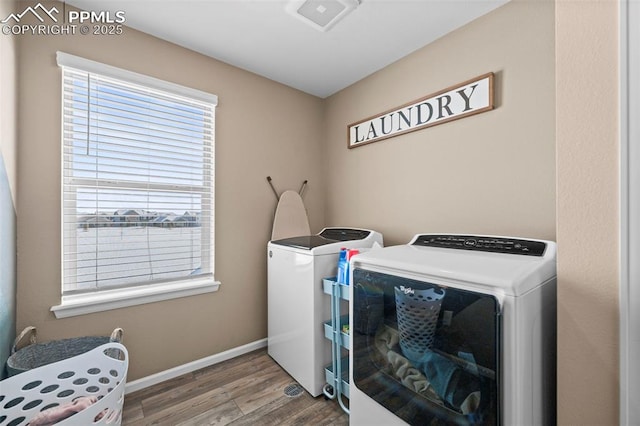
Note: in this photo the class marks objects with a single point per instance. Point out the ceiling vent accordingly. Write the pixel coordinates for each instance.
(321, 14)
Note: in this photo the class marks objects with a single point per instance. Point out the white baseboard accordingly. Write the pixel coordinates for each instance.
(171, 373)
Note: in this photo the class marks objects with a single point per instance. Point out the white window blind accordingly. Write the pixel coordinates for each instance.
(137, 180)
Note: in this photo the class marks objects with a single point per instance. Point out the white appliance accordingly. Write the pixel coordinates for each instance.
(297, 306)
(490, 356)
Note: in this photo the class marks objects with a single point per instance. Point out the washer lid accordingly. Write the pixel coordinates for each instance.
(326, 236)
(344, 234)
(305, 242)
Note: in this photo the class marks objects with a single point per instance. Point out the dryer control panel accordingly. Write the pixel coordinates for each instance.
(481, 243)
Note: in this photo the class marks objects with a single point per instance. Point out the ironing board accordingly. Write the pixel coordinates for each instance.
(291, 217)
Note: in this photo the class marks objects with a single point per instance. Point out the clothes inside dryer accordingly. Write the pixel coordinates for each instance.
(435, 348)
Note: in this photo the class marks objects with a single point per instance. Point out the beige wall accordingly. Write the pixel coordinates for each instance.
(262, 128)
(587, 222)
(490, 173)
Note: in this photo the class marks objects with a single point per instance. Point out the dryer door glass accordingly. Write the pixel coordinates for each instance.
(427, 353)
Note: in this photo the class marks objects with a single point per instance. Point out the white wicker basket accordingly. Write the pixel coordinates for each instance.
(100, 373)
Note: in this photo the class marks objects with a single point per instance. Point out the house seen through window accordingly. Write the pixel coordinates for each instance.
(137, 181)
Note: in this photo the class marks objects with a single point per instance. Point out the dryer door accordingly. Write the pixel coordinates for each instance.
(427, 353)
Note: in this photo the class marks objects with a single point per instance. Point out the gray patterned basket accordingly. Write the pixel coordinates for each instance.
(38, 354)
(417, 314)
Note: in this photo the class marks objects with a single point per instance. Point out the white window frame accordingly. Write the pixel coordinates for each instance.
(629, 66)
(84, 303)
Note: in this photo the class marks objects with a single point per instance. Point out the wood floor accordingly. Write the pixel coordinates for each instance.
(247, 390)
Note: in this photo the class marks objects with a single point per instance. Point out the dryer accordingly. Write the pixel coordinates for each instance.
(454, 329)
(297, 305)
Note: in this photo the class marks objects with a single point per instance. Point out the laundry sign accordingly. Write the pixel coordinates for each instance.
(471, 97)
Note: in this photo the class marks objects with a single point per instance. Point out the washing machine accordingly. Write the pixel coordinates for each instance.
(297, 305)
(454, 329)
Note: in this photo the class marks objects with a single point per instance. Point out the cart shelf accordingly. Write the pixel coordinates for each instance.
(343, 336)
(331, 378)
(342, 289)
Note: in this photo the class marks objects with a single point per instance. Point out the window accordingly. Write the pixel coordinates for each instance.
(137, 188)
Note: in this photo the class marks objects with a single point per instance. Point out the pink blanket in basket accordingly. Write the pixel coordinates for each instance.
(56, 414)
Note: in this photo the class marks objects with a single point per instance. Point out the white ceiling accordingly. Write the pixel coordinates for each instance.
(261, 37)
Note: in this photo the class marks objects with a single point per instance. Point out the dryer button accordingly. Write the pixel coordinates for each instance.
(470, 243)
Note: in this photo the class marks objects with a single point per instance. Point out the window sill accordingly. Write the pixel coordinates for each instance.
(82, 304)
